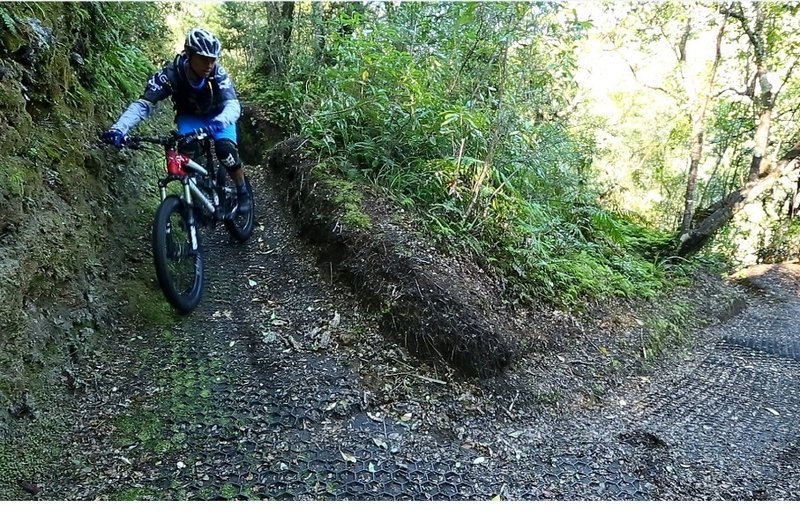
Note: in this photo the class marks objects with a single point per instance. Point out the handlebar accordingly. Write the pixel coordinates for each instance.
(171, 140)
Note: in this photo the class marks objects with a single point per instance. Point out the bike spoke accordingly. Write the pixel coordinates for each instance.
(182, 260)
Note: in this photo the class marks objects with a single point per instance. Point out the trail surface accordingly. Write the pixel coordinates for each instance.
(280, 386)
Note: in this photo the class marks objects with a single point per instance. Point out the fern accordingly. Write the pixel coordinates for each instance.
(9, 22)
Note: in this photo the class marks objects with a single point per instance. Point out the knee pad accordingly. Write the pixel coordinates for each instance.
(228, 154)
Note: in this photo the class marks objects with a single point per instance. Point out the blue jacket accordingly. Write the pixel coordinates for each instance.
(215, 98)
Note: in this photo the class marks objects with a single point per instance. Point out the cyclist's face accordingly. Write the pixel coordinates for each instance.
(201, 66)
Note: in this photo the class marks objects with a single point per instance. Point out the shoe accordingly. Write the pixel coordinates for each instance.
(245, 202)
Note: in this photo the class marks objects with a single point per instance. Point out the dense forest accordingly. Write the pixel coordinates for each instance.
(579, 151)
(524, 132)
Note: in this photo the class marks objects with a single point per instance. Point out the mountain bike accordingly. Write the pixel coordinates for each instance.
(207, 198)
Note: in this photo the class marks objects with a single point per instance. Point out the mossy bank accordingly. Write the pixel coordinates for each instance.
(68, 208)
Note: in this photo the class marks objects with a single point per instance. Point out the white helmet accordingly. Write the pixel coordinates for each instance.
(203, 42)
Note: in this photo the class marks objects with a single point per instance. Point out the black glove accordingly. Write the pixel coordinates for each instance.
(215, 126)
(113, 137)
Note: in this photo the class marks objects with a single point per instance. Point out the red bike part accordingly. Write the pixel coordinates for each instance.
(175, 163)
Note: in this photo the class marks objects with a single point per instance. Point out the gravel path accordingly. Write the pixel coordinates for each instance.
(281, 387)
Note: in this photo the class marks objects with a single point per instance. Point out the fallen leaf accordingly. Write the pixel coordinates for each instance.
(336, 319)
(497, 498)
(251, 283)
(371, 467)
(479, 460)
(406, 417)
(348, 457)
(380, 442)
(772, 411)
(30, 487)
(374, 417)
(232, 343)
(296, 345)
(325, 339)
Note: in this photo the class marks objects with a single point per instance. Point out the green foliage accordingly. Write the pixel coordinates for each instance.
(784, 244)
(8, 22)
(119, 59)
(146, 301)
(345, 196)
(137, 493)
(456, 111)
(13, 181)
(115, 42)
(31, 458)
(137, 426)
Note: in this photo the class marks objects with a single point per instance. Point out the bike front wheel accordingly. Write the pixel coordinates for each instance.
(179, 263)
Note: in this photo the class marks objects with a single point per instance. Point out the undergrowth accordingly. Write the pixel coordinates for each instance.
(489, 180)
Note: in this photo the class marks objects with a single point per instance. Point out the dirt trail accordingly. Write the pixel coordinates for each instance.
(280, 386)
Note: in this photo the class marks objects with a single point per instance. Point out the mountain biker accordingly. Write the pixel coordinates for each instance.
(203, 96)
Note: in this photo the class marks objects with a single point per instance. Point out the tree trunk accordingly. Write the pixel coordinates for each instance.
(698, 133)
(733, 203)
(760, 175)
(318, 23)
(276, 56)
(287, 19)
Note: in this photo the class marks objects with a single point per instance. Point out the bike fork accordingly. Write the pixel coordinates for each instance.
(187, 197)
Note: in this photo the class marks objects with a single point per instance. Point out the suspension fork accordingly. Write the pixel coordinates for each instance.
(187, 200)
(188, 183)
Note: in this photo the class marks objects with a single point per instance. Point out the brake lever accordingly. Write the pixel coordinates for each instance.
(131, 143)
(197, 134)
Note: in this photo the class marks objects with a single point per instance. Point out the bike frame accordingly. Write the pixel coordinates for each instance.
(185, 170)
(177, 166)
(206, 199)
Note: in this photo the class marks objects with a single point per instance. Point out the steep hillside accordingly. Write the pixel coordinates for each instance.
(67, 205)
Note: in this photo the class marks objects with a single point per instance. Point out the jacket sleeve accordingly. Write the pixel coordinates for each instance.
(158, 87)
(231, 111)
(231, 108)
(136, 112)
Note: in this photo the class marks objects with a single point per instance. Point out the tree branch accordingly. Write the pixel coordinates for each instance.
(693, 241)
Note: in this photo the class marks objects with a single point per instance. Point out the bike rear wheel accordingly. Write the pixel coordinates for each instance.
(179, 267)
(240, 226)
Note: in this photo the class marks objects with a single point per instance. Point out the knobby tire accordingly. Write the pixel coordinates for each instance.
(172, 250)
(240, 227)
